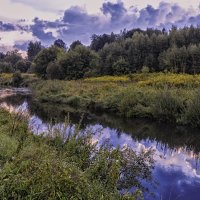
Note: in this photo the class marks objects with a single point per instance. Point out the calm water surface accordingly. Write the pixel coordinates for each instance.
(177, 149)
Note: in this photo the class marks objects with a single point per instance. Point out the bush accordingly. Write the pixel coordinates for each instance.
(192, 111)
(135, 102)
(145, 69)
(6, 67)
(120, 67)
(17, 79)
(167, 107)
(54, 71)
(22, 66)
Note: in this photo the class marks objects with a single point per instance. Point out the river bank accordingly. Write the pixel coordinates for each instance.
(65, 165)
(176, 148)
(171, 98)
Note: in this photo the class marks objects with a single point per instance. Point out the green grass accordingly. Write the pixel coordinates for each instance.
(160, 96)
(6, 79)
(58, 166)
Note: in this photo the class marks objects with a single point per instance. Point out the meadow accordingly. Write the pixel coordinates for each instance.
(167, 97)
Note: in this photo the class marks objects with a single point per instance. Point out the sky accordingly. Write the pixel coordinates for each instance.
(22, 21)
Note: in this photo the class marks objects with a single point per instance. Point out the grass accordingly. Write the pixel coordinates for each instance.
(152, 79)
(60, 165)
(6, 79)
(161, 96)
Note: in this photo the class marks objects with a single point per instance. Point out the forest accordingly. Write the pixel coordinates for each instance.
(150, 50)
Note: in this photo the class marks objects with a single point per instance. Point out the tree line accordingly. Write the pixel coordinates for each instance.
(176, 50)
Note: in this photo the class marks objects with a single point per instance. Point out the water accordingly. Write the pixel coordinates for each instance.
(177, 149)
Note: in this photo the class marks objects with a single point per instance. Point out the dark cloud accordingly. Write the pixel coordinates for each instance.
(78, 24)
(38, 30)
(21, 45)
(6, 26)
(115, 10)
(115, 17)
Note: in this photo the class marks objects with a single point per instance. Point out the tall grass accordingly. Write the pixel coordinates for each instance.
(167, 106)
(67, 165)
(161, 96)
(192, 111)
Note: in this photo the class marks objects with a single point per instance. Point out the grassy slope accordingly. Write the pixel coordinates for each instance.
(166, 97)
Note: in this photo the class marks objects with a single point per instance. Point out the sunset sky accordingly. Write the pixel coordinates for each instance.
(47, 20)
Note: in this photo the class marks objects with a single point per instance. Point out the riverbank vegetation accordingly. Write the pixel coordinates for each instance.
(131, 74)
(176, 50)
(16, 79)
(66, 165)
(165, 97)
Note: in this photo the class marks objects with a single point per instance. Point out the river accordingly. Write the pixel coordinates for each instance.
(177, 148)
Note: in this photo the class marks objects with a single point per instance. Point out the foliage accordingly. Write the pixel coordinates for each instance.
(167, 106)
(60, 44)
(120, 67)
(54, 71)
(12, 57)
(192, 111)
(161, 96)
(114, 54)
(145, 69)
(68, 166)
(33, 49)
(22, 65)
(17, 79)
(75, 44)
(6, 67)
(44, 57)
(76, 63)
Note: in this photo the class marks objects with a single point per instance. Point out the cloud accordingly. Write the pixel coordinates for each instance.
(21, 45)
(115, 10)
(6, 26)
(77, 24)
(38, 30)
(9, 39)
(114, 17)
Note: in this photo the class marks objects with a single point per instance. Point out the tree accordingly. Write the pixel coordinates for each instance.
(12, 57)
(59, 43)
(16, 79)
(54, 71)
(194, 58)
(22, 66)
(75, 44)
(109, 55)
(6, 67)
(33, 49)
(174, 59)
(98, 41)
(121, 67)
(78, 62)
(45, 57)
(2, 55)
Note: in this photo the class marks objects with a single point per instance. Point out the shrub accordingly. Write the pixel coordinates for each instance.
(54, 71)
(132, 102)
(17, 79)
(120, 67)
(167, 107)
(145, 69)
(6, 67)
(192, 111)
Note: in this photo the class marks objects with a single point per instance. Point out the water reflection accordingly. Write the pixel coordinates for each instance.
(176, 148)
